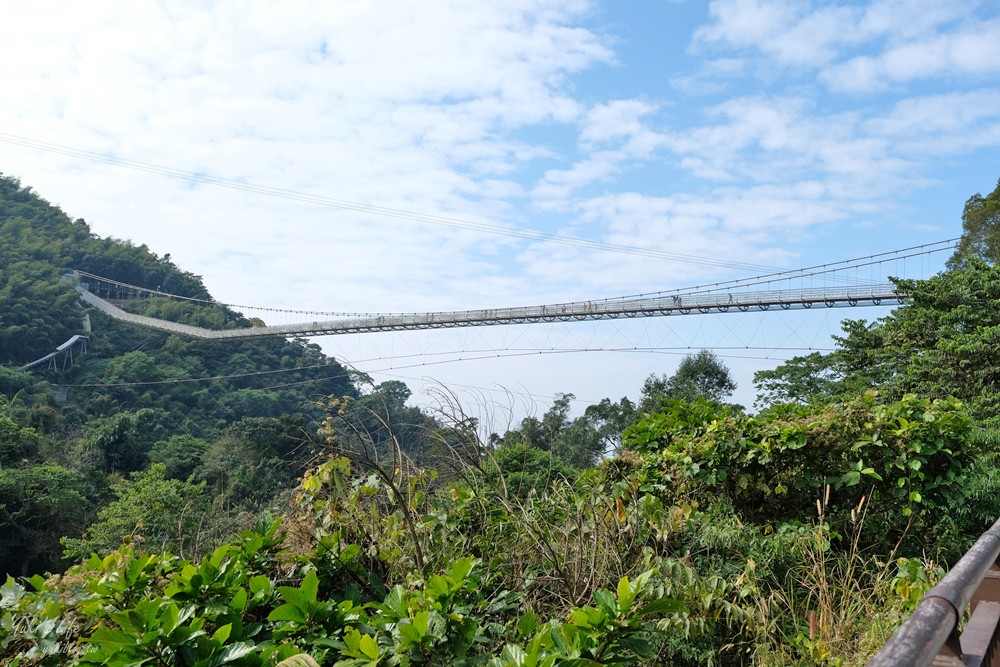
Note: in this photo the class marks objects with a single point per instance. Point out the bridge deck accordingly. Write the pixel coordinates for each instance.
(679, 304)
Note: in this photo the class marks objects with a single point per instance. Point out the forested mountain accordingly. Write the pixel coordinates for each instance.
(136, 397)
(235, 521)
(39, 310)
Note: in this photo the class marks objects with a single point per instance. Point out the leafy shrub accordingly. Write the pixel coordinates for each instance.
(907, 458)
(159, 513)
(528, 470)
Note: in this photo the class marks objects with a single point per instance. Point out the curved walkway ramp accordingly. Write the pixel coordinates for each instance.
(66, 347)
(679, 304)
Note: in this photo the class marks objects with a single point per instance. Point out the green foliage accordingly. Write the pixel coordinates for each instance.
(598, 572)
(136, 391)
(678, 419)
(38, 504)
(253, 461)
(908, 458)
(40, 310)
(382, 416)
(15, 383)
(117, 441)
(713, 538)
(128, 608)
(528, 470)
(557, 547)
(17, 443)
(699, 376)
(980, 231)
(150, 510)
(980, 508)
(808, 379)
(610, 419)
(180, 455)
(577, 442)
(942, 343)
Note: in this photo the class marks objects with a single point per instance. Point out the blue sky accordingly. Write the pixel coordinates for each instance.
(772, 133)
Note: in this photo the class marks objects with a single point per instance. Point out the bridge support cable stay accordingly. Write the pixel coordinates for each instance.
(832, 285)
(837, 273)
(605, 309)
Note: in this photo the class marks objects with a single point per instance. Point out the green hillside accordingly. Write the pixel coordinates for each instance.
(137, 396)
(39, 310)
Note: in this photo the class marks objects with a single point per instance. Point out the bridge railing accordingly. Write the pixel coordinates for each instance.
(930, 635)
(681, 303)
(724, 300)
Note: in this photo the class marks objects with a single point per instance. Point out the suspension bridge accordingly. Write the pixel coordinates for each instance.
(860, 281)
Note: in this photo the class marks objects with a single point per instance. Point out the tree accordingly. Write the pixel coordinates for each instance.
(13, 382)
(905, 460)
(254, 461)
(980, 230)
(118, 441)
(700, 375)
(611, 419)
(382, 414)
(17, 443)
(180, 454)
(154, 512)
(944, 342)
(38, 309)
(38, 505)
(578, 442)
(812, 378)
(527, 469)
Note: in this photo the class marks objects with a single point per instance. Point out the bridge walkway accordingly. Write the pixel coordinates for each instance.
(658, 306)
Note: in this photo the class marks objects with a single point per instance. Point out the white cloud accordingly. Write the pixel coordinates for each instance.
(748, 22)
(721, 223)
(745, 124)
(939, 125)
(973, 51)
(612, 136)
(907, 19)
(763, 140)
(558, 185)
(615, 120)
(859, 48)
(790, 31)
(711, 76)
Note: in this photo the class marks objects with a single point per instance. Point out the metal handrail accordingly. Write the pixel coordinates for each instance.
(682, 304)
(929, 636)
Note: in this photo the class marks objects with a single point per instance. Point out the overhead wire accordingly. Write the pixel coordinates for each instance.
(526, 354)
(484, 354)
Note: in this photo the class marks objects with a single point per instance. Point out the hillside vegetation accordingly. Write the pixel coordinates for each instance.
(258, 518)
